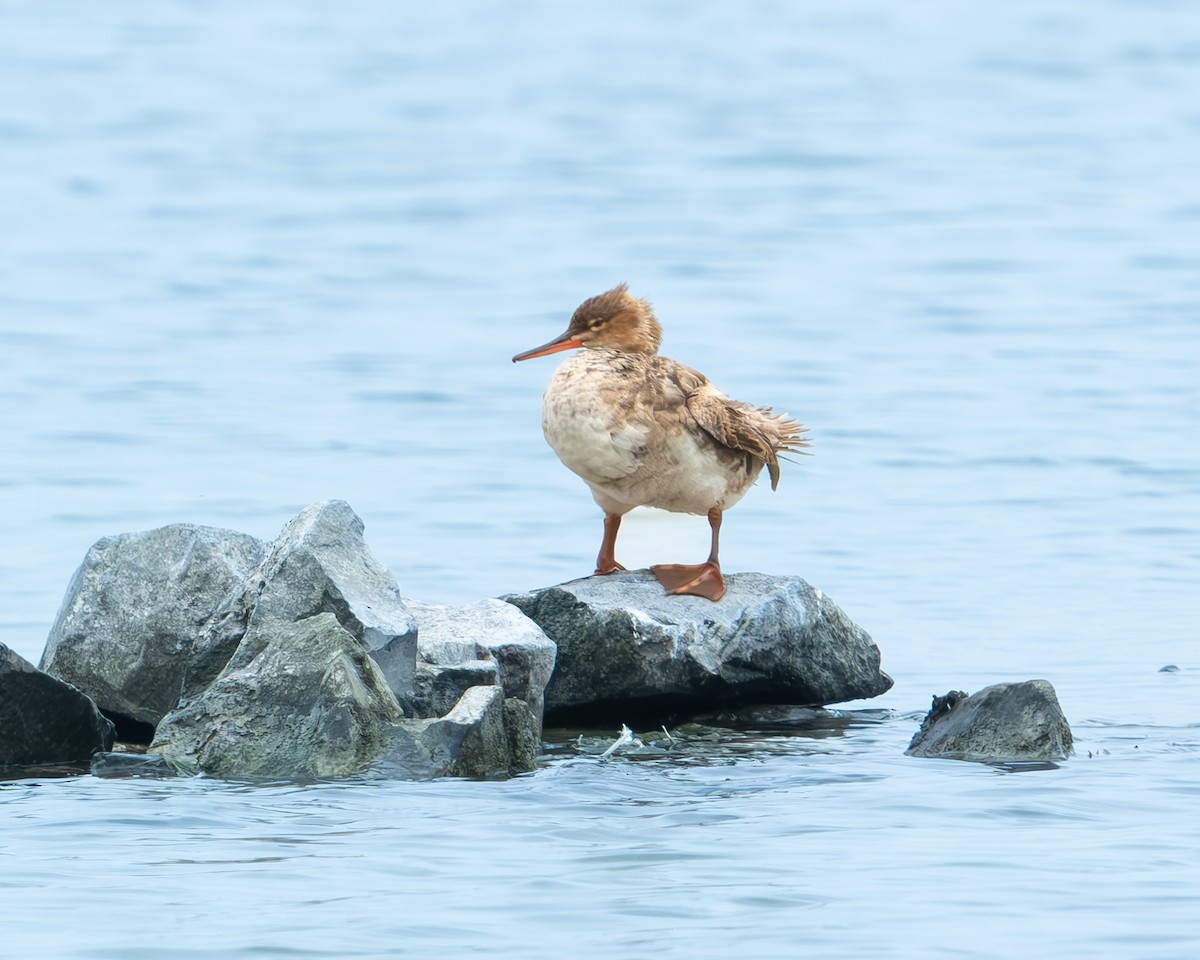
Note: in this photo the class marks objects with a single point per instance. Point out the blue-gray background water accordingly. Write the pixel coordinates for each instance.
(259, 255)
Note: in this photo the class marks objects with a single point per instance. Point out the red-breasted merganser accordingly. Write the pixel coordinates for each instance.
(644, 430)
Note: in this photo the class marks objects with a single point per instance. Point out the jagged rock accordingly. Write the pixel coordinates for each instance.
(298, 699)
(1006, 722)
(479, 644)
(440, 686)
(132, 611)
(318, 564)
(299, 659)
(628, 652)
(470, 741)
(44, 720)
(484, 735)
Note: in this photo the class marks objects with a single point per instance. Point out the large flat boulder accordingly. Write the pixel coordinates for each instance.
(1006, 722)
(627, 652)
(132, 611)
(44, 720)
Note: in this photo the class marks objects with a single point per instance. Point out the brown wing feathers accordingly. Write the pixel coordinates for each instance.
(758, 431)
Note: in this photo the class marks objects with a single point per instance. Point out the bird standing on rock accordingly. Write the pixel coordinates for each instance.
(644, 430)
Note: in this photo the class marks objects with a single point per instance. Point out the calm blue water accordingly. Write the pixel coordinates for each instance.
(258, 255)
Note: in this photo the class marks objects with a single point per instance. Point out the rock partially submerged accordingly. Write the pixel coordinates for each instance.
(44, 720)
(299, 699)
(1003, 723)
(627, 652)
(126, 766)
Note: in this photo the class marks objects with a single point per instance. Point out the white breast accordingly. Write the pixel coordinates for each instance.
(583, 425)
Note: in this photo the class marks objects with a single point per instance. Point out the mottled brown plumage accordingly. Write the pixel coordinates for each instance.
(644, 430)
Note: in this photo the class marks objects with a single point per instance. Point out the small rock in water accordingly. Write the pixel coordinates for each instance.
(1003, 723)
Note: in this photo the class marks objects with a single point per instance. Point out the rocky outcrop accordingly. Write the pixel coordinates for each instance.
(1006, 722)
(627, 652)
(489, 642)
(44, 720)
(298, 659)
(294, 659)
(132, 611)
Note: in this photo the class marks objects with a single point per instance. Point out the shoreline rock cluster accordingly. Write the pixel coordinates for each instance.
(295, 659)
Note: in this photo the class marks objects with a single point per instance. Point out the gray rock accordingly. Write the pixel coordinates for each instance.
(133, 610)
(114, 766)
(477, 645)
(318, 564)
(288, 664)
(470, 741)
(484, 735)
(1006, 722)
(523, 728)
(298, 700)
(628, 652)
(43, 719)
(438, 687)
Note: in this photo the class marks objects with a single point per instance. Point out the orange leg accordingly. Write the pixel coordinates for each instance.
(697, 579)
(607, 561)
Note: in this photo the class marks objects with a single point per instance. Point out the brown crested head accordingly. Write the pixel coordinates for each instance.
(615, 320)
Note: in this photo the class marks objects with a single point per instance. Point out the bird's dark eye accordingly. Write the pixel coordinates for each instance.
(597, 324)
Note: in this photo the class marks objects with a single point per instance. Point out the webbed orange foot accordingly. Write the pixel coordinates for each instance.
(605, 568)
(694, 579)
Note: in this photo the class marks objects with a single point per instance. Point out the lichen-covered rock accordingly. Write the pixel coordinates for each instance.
(320, 563)
(44, 720)
(523, 728)
(1006, 722)
(627, 652)
(298, 700)
(479, 644)
(133, 610)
